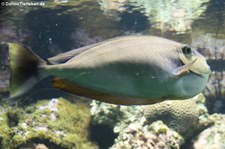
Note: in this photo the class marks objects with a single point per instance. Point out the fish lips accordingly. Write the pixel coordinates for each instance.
(201, 67)
(199, 72)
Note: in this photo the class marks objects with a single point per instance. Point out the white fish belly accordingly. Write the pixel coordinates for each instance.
(189, 85)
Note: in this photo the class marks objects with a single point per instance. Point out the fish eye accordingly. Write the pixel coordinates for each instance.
(186, 50)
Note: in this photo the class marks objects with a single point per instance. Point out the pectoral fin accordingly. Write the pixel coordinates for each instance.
(180, 71)
(97, 95)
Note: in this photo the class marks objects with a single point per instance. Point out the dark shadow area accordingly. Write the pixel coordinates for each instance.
(216, 103)
(12, 118)
(133, 21)
(1, 138)
(103, 135)
(2, 12)
(212, 20)
(50, 31)
(217, 65)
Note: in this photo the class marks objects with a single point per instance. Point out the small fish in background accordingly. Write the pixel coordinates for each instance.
(130, 70)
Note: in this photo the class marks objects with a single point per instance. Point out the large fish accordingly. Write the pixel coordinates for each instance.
(131, 70)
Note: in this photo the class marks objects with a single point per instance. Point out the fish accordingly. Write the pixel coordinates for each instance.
(128, 70)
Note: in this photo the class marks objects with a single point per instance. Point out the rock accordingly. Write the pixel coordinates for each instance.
(179, 115)
(214, 136)
(116, 116)
(58, 121)
(41, 146)
(154, 136)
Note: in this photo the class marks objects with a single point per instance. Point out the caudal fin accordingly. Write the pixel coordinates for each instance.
(18, 69)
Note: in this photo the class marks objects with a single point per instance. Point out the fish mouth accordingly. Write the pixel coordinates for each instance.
(190, 71)
(196, 74)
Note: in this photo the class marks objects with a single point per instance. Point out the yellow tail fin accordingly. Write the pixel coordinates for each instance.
(20, 68)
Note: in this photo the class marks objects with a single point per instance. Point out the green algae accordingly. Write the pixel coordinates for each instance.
(59, 121)
(5, 130)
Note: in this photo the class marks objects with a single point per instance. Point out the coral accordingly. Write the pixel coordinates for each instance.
(154, 136)
(214, 136)
(186, 117)
(202, 110)
(57, 121)
(116, 116)
(203, 121)
(177, 114)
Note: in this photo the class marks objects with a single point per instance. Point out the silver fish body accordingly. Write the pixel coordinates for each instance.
(134, 66)
(125, 70)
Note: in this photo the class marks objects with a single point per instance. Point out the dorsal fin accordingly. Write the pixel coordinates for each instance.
(97, 95)
(61, 58)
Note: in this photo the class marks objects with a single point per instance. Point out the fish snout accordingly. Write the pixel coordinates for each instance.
(208, 69)
(201, 67)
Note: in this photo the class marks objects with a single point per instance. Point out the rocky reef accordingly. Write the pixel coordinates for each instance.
(117, 117)
(214, 136)
(157, 135)
(59, 122)
(168, 124)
